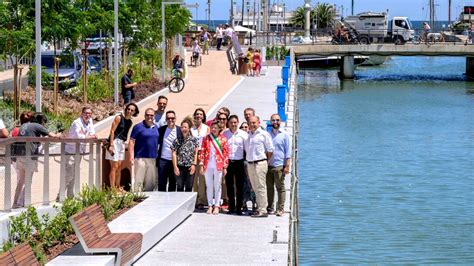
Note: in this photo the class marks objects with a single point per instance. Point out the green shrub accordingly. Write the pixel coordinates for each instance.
(97, 89)
(46, 78)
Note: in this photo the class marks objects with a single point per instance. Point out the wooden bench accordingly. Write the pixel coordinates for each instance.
(95, 236)
(19, 255)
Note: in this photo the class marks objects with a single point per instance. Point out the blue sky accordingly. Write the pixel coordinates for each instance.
(414, 9)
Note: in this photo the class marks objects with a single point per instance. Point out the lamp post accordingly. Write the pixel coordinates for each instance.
(307, 22)
(116, 64)
(38, 53)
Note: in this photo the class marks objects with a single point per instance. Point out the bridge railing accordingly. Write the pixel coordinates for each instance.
(39, 170)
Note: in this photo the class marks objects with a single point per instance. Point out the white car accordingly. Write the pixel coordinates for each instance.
(302, 40)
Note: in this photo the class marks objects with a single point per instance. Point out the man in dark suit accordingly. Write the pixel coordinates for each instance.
(168, 134)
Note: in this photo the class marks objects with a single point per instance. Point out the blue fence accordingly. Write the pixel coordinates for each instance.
(283, 89)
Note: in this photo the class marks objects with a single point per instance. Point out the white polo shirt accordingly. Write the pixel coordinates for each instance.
(79, 130)
(257, 145)
(236, 142)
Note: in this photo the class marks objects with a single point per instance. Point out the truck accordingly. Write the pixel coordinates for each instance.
(374, 27)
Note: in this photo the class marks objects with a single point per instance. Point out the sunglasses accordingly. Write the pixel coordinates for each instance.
(275, 120)
(222, 119)
(170, 118)
(131, 109)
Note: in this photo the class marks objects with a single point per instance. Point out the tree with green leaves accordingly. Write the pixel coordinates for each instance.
(16, 39)
(323, 14)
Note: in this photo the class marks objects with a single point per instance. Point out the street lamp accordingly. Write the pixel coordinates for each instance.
(38, 54)
(163, 43)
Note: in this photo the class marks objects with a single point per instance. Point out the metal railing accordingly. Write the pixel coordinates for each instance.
(294, 199)
(44, 166)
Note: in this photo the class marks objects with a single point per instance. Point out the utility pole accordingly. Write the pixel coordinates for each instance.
(307, 17)
(254, 10)
(242, 23)
(38, 55)
(232, 13)
(208, 14)
(265, 15)
(352, 8)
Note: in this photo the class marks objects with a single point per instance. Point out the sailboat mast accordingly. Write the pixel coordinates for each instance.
(449, 12)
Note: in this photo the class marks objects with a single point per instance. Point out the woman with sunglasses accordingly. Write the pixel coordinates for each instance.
(213, 161)
(118, 136)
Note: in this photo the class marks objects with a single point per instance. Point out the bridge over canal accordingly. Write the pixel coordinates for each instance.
(347, 52)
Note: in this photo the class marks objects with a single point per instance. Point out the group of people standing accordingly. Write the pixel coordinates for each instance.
(222, 162)
(253, 59)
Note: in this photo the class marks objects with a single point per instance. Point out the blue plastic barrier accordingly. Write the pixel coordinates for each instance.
(288, 60)
(281, 101)
(285, 75)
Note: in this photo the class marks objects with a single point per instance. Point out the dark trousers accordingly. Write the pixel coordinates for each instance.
(219, 43)
(184, 181)
(235, 175)
(166, 176)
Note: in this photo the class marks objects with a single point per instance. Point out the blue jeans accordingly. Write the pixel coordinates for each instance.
(166, 176)
(127, 97)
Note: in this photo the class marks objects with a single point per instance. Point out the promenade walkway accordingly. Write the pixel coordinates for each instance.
(205, 86)
(231, 239)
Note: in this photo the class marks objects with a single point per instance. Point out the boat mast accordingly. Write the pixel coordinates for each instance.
(449, 12)
(352, 8)
(432, 12)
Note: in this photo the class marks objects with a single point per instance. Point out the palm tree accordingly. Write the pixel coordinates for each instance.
(297, 19)
(325, 14)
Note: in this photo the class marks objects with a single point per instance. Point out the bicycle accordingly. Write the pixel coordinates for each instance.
(176, 84)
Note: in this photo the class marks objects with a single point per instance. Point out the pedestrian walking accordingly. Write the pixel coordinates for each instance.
(184, 152)
(213, 162)
(128, 87)
(116, 143)
(279, 165)
(259, 149)
(219, 36)
(143, 149)
(168, 133)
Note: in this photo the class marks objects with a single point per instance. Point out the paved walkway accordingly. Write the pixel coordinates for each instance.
(205, 85)
(230, 239)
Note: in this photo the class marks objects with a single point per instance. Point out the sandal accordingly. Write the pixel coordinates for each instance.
(216, 210)
(209, 210)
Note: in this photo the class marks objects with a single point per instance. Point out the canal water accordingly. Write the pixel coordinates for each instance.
(387, 164)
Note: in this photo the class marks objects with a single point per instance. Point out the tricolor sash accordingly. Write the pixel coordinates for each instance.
(217, 145)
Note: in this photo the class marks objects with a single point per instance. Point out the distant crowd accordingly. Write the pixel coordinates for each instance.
(228, 163)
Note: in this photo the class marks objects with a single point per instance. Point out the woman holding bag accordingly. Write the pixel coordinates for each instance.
(213, 163)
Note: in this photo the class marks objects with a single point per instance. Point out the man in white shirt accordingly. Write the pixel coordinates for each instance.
(167, 134)
(236, 169)
(81, 128)
(219, 36)
(259, 149)
(3, 130)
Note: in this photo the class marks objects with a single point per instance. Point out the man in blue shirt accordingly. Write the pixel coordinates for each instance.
(279, 165)
(143, 148)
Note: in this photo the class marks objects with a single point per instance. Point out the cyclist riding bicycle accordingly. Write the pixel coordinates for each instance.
(178, 64)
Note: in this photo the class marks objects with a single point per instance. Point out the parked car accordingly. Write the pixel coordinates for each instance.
(70, 67)
(302, 40)
(94, 64)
